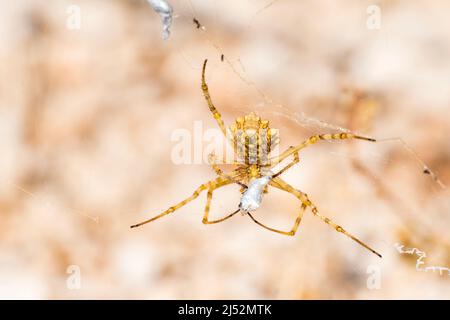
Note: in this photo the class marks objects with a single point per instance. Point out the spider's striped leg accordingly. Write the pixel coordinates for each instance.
(219, 172)
(292, 163)
(208, 203)
(303, 197)
(213, 164)
(211, 106)
(287, 233)
(207, 185)
(314, 139)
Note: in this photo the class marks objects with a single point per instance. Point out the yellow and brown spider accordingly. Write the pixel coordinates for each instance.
(253, 140)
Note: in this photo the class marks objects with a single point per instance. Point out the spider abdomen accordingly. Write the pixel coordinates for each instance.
(253, 139)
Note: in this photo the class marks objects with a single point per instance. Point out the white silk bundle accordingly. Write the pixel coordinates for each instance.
(165, 11)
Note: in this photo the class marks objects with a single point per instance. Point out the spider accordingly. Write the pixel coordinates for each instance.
(253, 140)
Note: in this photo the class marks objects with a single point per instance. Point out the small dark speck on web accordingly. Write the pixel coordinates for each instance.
(197, 23)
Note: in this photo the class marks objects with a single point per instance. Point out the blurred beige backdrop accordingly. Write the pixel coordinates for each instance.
(87, 117)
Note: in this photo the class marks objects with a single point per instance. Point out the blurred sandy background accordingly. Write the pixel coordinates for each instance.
(87, 115)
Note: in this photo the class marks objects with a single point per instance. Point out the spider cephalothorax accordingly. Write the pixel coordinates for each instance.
(253, 140)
